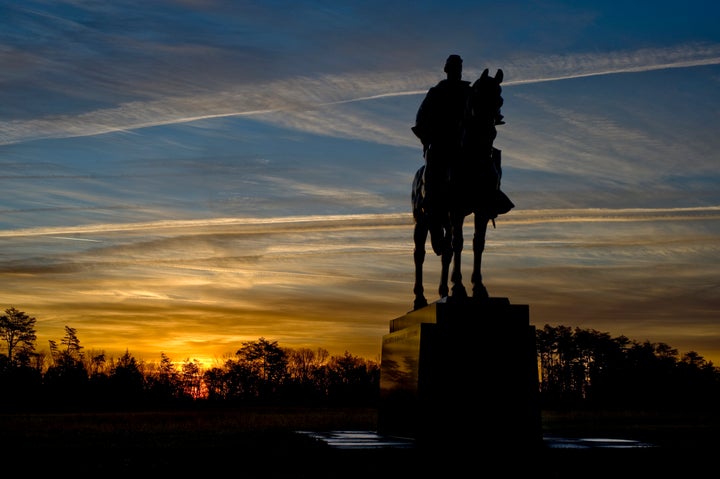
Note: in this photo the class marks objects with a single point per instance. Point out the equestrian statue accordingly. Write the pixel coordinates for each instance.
(461, 174)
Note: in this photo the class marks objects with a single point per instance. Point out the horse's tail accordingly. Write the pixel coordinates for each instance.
(500, 203)
(497, 165)
(417, 193)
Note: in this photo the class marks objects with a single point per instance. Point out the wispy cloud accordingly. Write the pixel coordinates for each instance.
(361, 221)
(299, 99)
(556, 68)
(191, 152)
(264, 276)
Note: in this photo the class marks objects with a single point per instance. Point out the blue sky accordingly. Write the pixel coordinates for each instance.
(182, 176)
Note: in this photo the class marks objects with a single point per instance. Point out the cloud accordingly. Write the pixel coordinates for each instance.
(567, 67)
(362, 221)
(191, 151)
(297, 279)
(300, 99)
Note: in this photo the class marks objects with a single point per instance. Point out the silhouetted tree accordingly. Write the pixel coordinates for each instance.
(307, 374)
(20, 385)
(586, 367)
(96, 363)
(698, 382)
(558, 354)
(126, 381)
(303, 363)
(266, 363)
(578, 368)
(267, 359)
(163, 381)
(352, 379)
(17, 329)
(218, 384)
(71, 342)
(67, 377)
(192, 379)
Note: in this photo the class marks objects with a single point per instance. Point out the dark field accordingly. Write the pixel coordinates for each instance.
(265, 443)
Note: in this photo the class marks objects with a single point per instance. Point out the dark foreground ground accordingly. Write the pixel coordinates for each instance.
(268, 443)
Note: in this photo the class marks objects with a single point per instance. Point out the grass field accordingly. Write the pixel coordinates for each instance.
(265, 443)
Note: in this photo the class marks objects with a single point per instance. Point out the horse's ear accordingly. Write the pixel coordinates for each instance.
(485, 73)
(499, 76)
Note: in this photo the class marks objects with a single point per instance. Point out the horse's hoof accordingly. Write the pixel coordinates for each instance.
(419, 303)
(480, 292)
(458, 292)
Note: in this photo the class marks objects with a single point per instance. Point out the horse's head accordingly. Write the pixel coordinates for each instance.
(486, 99)
(482, 114)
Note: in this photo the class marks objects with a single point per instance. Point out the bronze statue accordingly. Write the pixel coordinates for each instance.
(456, 124)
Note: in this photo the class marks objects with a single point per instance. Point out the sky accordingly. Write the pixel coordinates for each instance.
(182, 176)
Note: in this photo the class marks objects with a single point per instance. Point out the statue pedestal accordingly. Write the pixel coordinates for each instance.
(458, 370)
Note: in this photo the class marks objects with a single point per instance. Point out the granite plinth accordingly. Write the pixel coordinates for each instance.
(458, 365)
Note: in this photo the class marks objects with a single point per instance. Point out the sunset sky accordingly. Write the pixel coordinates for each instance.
(181, 176)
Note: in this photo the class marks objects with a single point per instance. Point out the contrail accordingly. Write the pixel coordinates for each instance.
(75, 239)
(89, 127)
(362, 221)
(644, 68)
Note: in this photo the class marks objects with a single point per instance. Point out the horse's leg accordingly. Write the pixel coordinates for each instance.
(420, 237)
(447, 255)
(479, 290)
(457, 220)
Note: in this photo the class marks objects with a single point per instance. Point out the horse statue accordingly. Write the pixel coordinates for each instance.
(471, 185)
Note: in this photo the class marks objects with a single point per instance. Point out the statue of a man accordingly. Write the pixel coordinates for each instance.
(438, 125)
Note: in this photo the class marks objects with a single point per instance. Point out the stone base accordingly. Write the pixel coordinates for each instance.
(458, 366)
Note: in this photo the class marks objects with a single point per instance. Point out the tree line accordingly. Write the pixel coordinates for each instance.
(585, 367)
(576, 368)
(261, 372)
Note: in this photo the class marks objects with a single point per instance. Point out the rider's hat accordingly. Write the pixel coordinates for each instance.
(453, 63)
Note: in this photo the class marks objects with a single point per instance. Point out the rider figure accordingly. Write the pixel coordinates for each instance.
(438, 125)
